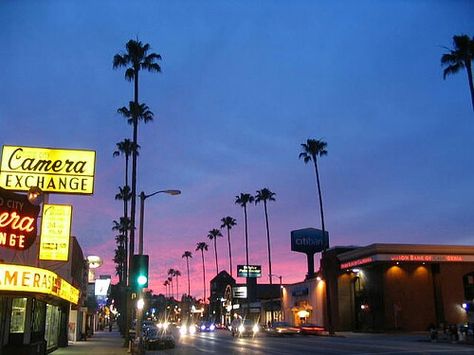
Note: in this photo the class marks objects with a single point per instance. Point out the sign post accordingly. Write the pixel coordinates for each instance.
(309, 241)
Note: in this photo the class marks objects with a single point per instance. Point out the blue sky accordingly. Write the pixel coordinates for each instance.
(243, 84)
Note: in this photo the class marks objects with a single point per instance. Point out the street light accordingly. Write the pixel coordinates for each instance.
(143, 197)
(281, 296)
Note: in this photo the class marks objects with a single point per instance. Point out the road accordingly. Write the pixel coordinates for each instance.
(221, 342)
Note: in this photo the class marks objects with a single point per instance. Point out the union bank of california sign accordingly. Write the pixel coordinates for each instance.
(52, 170)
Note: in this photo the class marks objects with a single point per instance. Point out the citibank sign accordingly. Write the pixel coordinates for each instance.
(309, 240)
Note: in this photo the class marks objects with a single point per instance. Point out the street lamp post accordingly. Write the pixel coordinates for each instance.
(281, 295)
(138, 327)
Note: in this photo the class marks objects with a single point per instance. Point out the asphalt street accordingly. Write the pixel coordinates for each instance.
(221, 342)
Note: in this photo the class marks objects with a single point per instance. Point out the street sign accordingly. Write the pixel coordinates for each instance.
(249, 271)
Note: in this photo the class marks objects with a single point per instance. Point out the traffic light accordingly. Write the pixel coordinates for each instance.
(139, 274)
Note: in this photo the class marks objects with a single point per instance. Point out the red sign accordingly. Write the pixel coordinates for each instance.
(18, 217)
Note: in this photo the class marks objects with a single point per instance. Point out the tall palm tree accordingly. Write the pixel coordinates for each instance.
(460, 57)
(187, 254)
(177, 273)
(203, 246)
(134, 112)
(134, 59)
(213, 235)
(312, 149)
(243, 200)
(170, 280)
(171, 273)
(166, 284)
(265, 195)
(228, 222)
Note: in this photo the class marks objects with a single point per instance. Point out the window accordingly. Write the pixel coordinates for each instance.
(17, 321)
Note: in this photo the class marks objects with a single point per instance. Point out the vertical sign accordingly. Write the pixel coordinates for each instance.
(55, 232)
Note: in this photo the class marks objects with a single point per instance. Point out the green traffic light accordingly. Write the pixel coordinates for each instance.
(142, 280)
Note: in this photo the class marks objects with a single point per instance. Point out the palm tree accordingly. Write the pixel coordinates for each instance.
(135, 112)
(265, 195)
(176, 274)
(203, 246)
(213, 235)
(134, 59)
(243, 199)
(228, 222)
(460, 57)
(166, 284)
(171, 273)
(311, 150)
(170, 280)
(187, 254)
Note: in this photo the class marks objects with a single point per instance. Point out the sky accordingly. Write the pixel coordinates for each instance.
(243, 84)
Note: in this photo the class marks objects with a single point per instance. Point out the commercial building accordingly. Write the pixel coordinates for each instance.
(383, 287)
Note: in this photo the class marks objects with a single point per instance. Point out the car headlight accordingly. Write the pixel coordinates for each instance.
(165, 325)
(241, 328)
(212, 327)
(182, 330)
(255, 328)
(159, 325)
(203, 327)
(192, 329)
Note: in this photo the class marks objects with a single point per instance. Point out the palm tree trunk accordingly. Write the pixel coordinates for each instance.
(230, 252)
(125, 215)
(469, 78)
(247, 259)
(215, 253)
(269, 255)
(172, 289)
(177, 292)
(189, 281)
(320, 196)
(203, 275)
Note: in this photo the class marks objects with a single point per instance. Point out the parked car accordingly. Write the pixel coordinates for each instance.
(244, 327)
(282, 328)
(309, 328)
(154, 339)
(207, 326)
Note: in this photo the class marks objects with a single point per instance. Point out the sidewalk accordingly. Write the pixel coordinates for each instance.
(102, 342)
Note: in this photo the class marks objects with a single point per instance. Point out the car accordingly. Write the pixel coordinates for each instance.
(154, 339)
(243, 327)
(207, 326)
(310, 328)
(282, 328)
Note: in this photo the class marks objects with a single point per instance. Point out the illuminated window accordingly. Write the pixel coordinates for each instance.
(17, 320)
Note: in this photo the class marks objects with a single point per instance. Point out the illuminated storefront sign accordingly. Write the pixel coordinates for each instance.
(55, 232)
(52, 170)
(18, 227)
(30, 279)
(249, 271)
(309, 240)
(239, 292)
(434, 258)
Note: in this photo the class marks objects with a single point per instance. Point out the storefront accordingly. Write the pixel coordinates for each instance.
(34, 309)
(303, 302)
(384, 287)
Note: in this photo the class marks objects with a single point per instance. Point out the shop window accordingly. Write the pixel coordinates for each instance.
(468, 281)
(38, 320)
(52, 326)
(18, 315)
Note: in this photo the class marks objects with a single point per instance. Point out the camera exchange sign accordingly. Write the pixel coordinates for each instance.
(52, 170)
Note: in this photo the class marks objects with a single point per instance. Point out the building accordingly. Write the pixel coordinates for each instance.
(383, 287)
(40, 300)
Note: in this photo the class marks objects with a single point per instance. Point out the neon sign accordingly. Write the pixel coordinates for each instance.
(52, 170)
(433, 258)
(22, 278)
(17, 221)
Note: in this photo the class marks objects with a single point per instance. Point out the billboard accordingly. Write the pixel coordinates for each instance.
(249, 271)
(52, 170)
(18, 221)
(101, 287)
(309, 240)
(55, 232)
